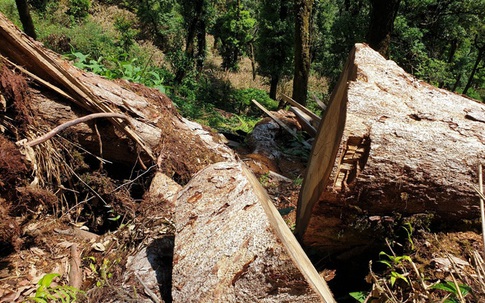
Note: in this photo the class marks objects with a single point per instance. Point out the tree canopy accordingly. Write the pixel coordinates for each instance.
(439, 41)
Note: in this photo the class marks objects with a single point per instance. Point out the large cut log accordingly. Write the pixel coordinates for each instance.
(231, 244)
(388, 143)
(63, 93)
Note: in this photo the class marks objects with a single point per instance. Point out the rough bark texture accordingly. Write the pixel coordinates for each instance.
(232, 245)
(383, 14)
(388, 143)
(303, 13)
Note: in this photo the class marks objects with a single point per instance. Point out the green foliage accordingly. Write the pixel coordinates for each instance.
(116, 68)
(274, 44)
(337, 27)
(450, 287)
(161, 23)
(125, 28)
(234, 29)
(360, 296)
(243, 97)
(102, 273)
(78, 9)
(395, 264)
(46, 293)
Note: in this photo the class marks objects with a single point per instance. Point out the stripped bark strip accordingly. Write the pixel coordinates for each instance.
(63, 126)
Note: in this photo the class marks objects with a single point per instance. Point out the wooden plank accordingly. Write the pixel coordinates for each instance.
(281, 123)
(324, 151)
(315, 119)
(319, 102)
(304, 120)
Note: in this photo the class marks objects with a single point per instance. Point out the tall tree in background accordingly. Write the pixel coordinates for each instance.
(480, 46)
(26, 18)
(274, 46)
(234, 29)
(383, 13)
(161, 23)
(194, 14)
(303, 13)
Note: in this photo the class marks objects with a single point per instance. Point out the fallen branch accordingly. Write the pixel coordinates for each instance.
(314, 118)
(63, 126)
(75, 272)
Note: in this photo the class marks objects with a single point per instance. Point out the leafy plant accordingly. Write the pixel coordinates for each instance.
(79, 9)
(360, 296)
(101, 272)
(395, 264)
(120, 69)
(451, 288)
(46, 293)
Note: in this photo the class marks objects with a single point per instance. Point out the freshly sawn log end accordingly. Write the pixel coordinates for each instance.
(231, 245)
(388, 143)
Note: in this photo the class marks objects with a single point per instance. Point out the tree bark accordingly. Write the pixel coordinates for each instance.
(26, 18)
(388, 144)
(232, 245)
(303, 12)
(382, 16)
(273, 87)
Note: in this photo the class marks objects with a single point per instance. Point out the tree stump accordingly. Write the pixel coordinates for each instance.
(388, 143)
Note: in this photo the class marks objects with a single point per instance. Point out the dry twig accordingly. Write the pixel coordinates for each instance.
(63, 126)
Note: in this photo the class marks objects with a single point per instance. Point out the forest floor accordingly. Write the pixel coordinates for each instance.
(37, 236)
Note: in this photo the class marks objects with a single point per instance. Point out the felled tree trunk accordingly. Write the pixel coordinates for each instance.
(387, 144)
(153, 131)
(231, 244)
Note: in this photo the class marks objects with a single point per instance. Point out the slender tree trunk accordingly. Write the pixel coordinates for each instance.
(457, 82)
(474, 70)
(451, 56)
(253, 60)
(383, 13)
(273, 86)
(201, 44)
(193, 28)
(26, 18)
(303, 12)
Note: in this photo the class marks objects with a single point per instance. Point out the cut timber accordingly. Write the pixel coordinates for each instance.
(388, 143)
(315, 120)
(58, 93)
(304, 120)
(280, 123)
(231, 244)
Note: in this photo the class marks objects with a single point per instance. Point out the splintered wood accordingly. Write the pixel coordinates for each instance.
(231, 244)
